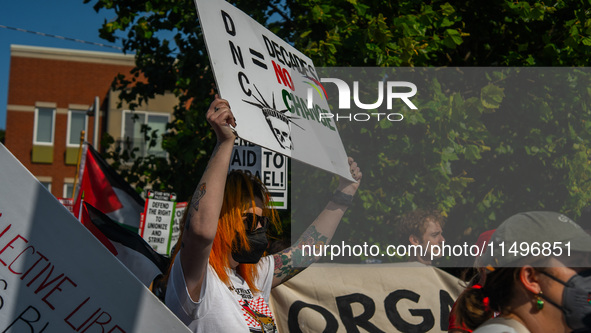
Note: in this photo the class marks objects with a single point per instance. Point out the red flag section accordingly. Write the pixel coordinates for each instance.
(96, 187)
(102, 187)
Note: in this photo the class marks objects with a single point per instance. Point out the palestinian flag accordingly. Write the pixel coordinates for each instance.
(127, 246)
(105, 189)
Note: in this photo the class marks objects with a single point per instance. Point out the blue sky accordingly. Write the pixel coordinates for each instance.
(67, 18)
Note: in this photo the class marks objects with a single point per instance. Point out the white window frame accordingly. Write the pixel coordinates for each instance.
(65, 190)
(147, 114)
(36, 122)
(49, 183)
(68, 144)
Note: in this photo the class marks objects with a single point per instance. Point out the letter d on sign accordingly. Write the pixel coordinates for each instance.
(229, 24)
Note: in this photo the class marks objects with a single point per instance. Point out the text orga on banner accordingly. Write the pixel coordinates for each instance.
(266, 80)
(345, 297)
(56, 277)
(270, 167)
(157, 224)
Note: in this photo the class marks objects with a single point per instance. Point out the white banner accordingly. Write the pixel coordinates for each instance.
(55, 277)
(274, 91)
(407, 297)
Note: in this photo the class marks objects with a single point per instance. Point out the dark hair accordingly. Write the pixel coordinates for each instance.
(478, 302)
(414, 223)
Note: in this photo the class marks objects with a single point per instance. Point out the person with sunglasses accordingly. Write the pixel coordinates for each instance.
(219, 281)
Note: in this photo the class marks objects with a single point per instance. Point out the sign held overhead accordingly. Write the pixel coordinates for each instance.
(267, 82)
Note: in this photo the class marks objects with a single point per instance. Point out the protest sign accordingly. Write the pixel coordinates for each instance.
(270, 167)
(269, 85)
(157, 225)
(179, 211)
(375, 297)
(68, 203)
(55, 276)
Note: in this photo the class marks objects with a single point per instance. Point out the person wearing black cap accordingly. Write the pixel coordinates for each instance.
(535, 274)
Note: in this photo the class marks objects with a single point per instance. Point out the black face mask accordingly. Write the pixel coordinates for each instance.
(258, 244)
(576, 300)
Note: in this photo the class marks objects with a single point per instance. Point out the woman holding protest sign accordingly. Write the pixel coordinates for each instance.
(535, 275)
(219, 281)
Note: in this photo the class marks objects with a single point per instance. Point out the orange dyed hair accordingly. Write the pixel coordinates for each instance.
(239, 195)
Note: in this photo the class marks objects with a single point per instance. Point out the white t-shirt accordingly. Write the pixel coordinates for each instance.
(501, 325)
(220, 309)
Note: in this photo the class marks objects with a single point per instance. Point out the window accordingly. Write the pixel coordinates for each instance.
(68, 190)
(77, 121)
(44, 124)
(47, 184)
(133, 137)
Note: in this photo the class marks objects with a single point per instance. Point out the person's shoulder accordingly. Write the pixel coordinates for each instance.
(501, 325)
(267, 262)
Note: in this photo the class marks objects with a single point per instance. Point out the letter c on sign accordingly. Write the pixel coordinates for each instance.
(242, 79)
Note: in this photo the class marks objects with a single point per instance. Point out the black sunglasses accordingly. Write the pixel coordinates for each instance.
(251, 221)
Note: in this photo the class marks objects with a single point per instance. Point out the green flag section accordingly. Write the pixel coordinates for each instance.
(408, 297)
(55, 276)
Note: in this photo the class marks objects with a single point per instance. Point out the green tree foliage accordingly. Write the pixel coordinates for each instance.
(473, 155)
(483, 144)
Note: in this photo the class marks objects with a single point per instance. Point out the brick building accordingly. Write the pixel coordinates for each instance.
(51, 98)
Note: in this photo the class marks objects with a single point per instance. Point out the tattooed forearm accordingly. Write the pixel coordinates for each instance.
(198, 195)
(292, 260)
(215, 151)
(284, 269)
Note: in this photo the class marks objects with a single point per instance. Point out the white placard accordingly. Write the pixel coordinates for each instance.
(159, 225)
(179, 211)
(156, 229)
(55, 277)
(270, 167)
(268, 83)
